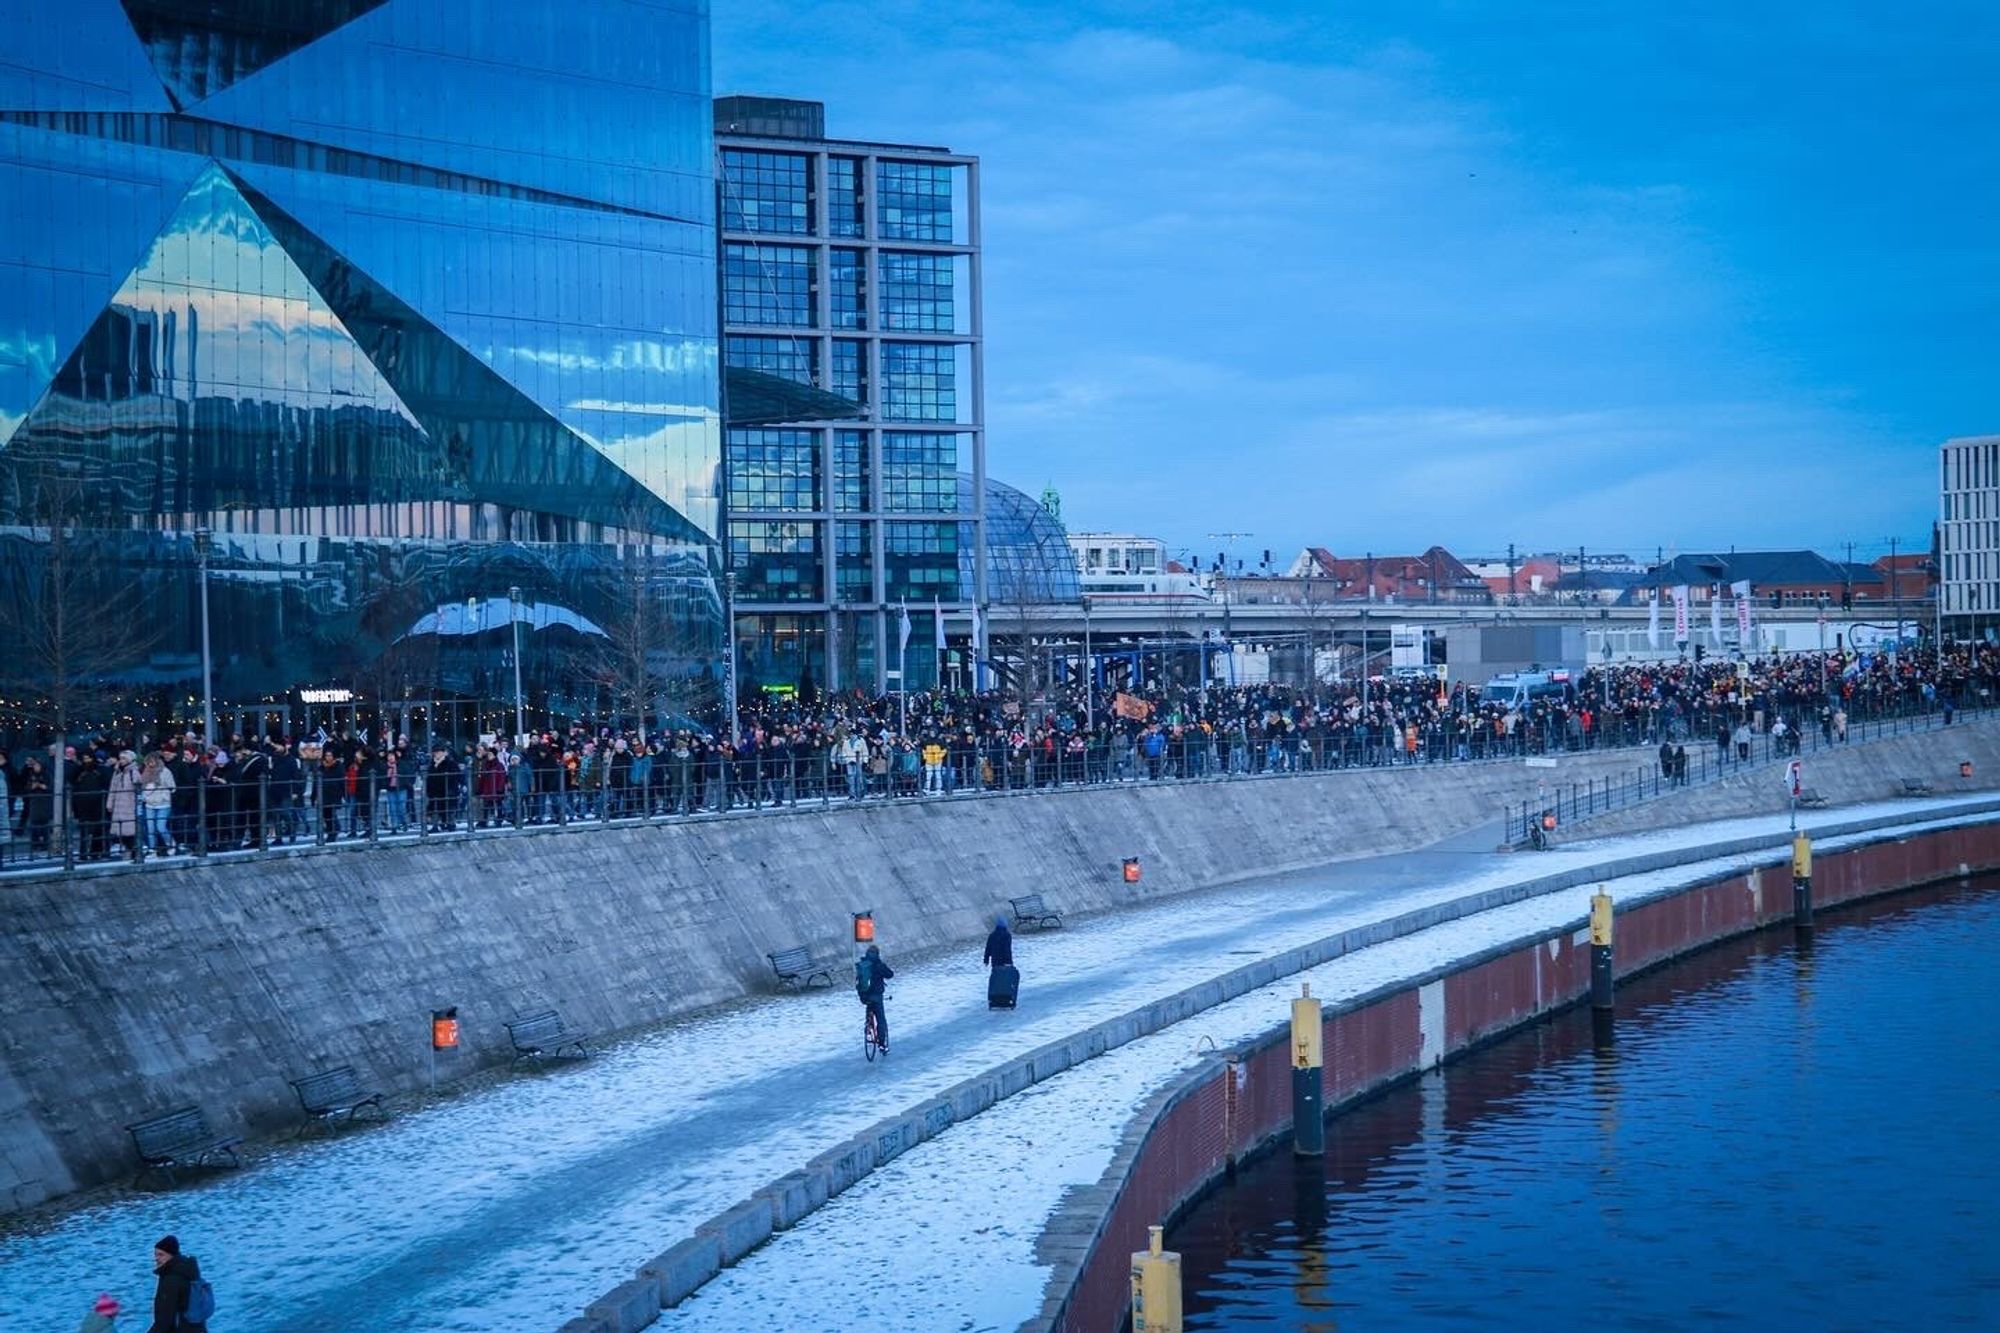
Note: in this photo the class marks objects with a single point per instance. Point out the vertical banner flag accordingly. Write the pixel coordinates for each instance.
(1653, 620)
(978, 653)
(1680, 613)
(1715, 615)
(1741, 590)
(903, 634)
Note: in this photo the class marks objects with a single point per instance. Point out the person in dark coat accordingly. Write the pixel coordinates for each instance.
(1000, 944)
(871, 975)
(88, 797)
(177, 1273)
(441, 791)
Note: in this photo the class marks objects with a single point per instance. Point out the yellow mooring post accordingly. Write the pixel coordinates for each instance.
(1156, 1288)
(1802, 881)
(1601, 980)
(1308, 1057)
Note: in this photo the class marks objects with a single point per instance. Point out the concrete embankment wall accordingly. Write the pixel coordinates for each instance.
(1851, 773)
(1240, 1100)
(127, 993)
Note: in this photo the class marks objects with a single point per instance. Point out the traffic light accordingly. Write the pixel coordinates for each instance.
(1267, 557)
(1699, 650)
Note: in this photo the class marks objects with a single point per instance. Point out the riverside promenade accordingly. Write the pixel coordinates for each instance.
(517, 1206)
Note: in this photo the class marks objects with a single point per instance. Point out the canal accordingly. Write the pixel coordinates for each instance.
(1772, 1137)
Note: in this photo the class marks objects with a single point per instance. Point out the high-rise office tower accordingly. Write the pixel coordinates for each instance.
(851, 268)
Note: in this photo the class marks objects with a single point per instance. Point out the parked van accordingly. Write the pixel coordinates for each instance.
(1518, 689)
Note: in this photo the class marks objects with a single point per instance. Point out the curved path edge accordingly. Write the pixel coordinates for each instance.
(722, 1240)
(1211, 1117)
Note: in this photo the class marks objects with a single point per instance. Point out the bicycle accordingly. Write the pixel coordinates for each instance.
(871, 1035)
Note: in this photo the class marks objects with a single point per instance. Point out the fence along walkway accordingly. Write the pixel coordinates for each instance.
(1707, 761)
(264, 819)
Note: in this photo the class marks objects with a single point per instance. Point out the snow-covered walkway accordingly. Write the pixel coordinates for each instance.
(514, 1207)
(943, 1238)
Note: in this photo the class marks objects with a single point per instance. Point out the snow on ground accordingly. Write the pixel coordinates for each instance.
(943, 1238)
(514, 1206)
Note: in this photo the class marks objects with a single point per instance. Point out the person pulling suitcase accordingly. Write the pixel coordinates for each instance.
(1003, 983)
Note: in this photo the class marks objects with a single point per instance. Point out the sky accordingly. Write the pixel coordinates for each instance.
(1372, 276)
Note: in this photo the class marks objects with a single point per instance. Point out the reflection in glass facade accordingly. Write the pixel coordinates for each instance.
(414, 315)
(768, 284)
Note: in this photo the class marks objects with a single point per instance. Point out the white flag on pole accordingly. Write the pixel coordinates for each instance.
(1680, 613)
(903, 630)
(1741, 589)
(1653, 620)
(978, 658)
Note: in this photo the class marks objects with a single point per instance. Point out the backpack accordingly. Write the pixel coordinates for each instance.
(200, 1304)
(864, 977)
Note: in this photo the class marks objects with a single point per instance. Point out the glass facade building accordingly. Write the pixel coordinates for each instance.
(416, 310)
(852, 268)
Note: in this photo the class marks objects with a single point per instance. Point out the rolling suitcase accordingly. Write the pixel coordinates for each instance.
(1003, 987)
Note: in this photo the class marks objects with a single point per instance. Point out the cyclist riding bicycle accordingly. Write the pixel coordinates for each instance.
(871, 974)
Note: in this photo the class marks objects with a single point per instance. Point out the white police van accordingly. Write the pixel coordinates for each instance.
(1518, 689)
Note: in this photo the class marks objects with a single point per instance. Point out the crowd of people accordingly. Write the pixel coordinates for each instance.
(144, 796)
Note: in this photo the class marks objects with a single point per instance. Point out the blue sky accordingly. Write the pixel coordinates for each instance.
(1376, 275)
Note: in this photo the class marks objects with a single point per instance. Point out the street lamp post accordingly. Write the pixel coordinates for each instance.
(1089, 671)
(729, 649)
(203, 543)
(472, 628)
(1893, 594)
(520, 704)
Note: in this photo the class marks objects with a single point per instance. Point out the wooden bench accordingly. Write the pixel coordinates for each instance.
(541, 1035)
(795, 967)
(180, 1138)
(1032, 911)
(333, 1094)
(1916, 786)
(1811, 799)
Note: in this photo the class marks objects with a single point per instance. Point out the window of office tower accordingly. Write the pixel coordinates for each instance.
(843, 196)
(850, 471)
(916, 201)
(847, 273)
(854, 544)
(920, 560)
(767, 284)
(920, 470)
(795, 359)
(778, 561)
(850, 370)
(918, 291)
(768, 192)
(773, 469)
(920, 381)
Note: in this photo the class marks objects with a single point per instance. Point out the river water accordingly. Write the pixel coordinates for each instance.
(1772, 1137)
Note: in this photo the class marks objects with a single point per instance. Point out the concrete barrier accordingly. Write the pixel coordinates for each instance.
(1180, 1142)
(626, 1308)
(679, 1271)
(895, 1135)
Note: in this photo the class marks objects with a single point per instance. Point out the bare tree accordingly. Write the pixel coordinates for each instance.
(644, 658)
(73, 618)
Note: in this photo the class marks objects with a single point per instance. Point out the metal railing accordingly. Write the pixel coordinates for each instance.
(274, 814)
(1708, 761)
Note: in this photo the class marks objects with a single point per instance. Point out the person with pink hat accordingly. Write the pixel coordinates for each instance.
(103, 1316)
